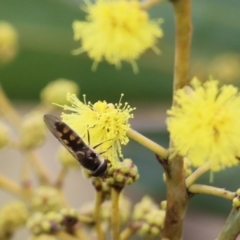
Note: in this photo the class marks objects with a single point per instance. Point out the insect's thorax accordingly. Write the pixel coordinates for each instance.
(89, 158)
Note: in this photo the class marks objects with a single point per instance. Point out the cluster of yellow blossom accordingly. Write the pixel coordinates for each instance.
(104, 123)
(204, 124)
(116, 30)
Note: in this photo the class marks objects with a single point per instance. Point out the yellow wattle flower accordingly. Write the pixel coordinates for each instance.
(204, 124)
(103, 122)
(115, 31)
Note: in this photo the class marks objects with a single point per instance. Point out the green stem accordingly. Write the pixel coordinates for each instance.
(156, 148)
(40, 169)
(97, 215)
(231, 228)
(8, 110)
(61, 176)
(81, 234)
(11, 114)
(205, 189)
(11, 186)
(115, 193)
(197, 174)
(26, 181)
(130, 230)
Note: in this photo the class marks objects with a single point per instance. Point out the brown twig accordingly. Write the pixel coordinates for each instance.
(177, 197)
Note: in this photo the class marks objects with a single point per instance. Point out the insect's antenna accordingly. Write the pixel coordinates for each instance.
(99, 144)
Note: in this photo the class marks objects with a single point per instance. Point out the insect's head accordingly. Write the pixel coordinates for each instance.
(101, 170)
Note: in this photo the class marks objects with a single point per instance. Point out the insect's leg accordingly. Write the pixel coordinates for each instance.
(105, 150)
(88, 136)
(99, 144)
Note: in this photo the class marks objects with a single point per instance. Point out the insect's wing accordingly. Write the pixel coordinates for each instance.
(51, 122)
(65, 135)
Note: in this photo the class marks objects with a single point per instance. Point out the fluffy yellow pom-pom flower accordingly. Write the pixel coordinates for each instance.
(116, 30)
(104, 123)
(204, 124)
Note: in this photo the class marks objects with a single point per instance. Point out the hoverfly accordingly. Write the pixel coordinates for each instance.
(83, 153)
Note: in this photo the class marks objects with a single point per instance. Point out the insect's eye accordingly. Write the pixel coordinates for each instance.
(93, 155)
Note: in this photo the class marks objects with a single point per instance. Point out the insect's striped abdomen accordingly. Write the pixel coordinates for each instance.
(69, 137)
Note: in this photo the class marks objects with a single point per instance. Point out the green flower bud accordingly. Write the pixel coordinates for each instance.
(125, 174)
(154, 231)
(238, 191)
(129, 181)
(142, 208)
(40, 223)
(33, 130)
(4, 135)
(163, 205)
(153, 223)
(69, 218)
(46, 226)
(103, 186)
(119, 178)
(8, 42)
(144, 229)
(110, 171)
(236, 202)
(13, 215)
(34, 221)
(110, 181)
(56, 91)
(54, 216)
(236, 199)
(46, 199)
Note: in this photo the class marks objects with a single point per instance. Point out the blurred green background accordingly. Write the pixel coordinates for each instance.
(46, 41)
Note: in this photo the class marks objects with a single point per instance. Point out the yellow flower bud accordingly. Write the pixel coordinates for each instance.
(8, 42)
(33, 130)
(143, 207)
(225, 66)
(163, 205)
(56, 91)
(40, 223)
(125, 174)
(13, 215)
(46, 199)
